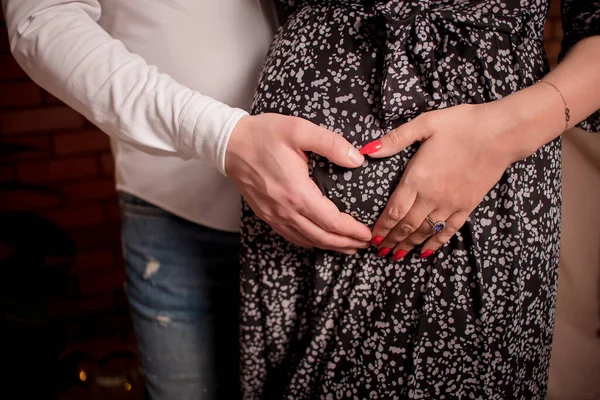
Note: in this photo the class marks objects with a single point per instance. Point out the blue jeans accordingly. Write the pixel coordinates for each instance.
(183, 288)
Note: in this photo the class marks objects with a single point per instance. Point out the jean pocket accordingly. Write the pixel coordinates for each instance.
(134, 206)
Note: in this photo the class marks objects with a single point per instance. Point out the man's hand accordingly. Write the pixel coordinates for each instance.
(266, 159)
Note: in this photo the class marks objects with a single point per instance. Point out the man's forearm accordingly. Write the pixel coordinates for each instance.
(62, 47)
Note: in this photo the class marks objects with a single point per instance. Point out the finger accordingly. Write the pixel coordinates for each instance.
(399, 253)
(396, 140)
(348, 252)
(398, 206)
(293, 236)
(453, 224)
(326, 240)
(424, 232)
(289, 233)
(326, 215)
(409, 224)
(311, 137)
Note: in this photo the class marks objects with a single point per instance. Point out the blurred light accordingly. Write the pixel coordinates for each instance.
(82, 376)
(127, 386)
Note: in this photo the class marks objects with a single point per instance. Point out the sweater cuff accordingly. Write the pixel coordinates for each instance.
(205, 128)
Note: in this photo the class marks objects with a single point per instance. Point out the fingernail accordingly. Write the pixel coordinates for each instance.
(399, 254)
(426, 253)
(355, 156)
(384, 251)
(376, 240)
(371, 148)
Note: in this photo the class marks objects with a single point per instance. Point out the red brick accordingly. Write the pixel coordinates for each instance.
(20, 94)
(98, 325)
(120, 258)
(7, 173)
(25, 147)
(9, 69)
(81, 142)
(50, 99)
(73, 307)
(108, 164)
(114, 212)
(129, 339)
(22, 200)
(94, 260)
(58, 170)
(98, 348)
(76, 217)
(103, 282)
(97, 236)
(5, 251)
(100, 189)
(4, 44)
(43, 119)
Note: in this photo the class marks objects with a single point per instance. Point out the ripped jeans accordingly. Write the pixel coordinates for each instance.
(183, 288)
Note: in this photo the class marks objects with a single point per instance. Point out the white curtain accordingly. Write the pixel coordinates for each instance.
(575, 363)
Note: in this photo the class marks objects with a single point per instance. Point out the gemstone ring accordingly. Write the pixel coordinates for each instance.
(437, 226)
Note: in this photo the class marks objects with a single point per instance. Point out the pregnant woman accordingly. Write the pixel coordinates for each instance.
(453, 103)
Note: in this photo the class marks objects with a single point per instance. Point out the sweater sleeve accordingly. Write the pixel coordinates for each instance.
(61, 46)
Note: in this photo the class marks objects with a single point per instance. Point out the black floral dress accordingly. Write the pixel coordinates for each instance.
(475, 321)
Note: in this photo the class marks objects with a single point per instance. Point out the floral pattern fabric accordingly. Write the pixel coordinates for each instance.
(475, 321)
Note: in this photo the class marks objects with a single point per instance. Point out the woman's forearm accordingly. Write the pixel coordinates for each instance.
(578, 78)
(536, 115)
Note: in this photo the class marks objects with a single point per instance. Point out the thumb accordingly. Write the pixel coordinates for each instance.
(395, 140)
(330, 145)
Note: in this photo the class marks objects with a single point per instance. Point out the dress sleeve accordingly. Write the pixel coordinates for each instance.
(581, 19)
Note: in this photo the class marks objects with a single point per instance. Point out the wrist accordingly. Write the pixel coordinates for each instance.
(236, 142)
(530, 118)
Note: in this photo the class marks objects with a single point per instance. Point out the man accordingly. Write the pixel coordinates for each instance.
(168, 80)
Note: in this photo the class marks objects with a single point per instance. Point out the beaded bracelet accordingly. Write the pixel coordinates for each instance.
(567, 109)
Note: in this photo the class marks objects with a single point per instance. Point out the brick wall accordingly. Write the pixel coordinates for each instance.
(70, 159)
(57, 165)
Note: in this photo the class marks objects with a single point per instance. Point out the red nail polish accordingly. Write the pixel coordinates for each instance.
(371, 148)
(399, 254)
(426, 253)
(376, 240)
(384, 251)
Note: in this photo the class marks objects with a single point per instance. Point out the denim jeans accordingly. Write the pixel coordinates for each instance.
(183, 288)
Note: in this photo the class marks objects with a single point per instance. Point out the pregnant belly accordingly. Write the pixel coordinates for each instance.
(320, 68)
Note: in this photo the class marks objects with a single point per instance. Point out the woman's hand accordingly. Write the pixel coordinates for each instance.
(460, 159)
